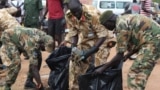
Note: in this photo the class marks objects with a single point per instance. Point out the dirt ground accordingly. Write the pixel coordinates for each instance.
(153, 82)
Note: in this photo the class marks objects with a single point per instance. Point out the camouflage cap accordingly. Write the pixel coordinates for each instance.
(105, 16)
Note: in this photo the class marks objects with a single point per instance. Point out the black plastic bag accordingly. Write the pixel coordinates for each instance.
(58, 58)
(111, 79)
(58, 63)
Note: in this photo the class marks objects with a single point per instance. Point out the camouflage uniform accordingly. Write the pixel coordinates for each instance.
(89, 30)
(7, 20)
(21, 38)
(9, 51)
(144, 34)
(155, 8)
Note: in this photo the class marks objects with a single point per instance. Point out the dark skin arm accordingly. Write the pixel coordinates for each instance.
(36, 75)
(93, 49)
(100, 42)
(44, 16)
(116, 59)
(45, 13)
(35, 68)
(129, 54)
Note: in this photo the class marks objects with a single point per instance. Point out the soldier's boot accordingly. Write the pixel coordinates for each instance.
(29, 84)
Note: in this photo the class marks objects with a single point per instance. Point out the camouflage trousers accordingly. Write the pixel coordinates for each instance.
(101, 56)
(10, 56)
(79, 68)
(143, 66)
(76, 69)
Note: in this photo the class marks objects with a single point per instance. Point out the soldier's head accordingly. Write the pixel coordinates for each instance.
(108, 19)
(3, 2)
(76, 8)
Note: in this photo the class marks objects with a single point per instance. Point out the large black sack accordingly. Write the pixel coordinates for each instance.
(58, 63)
(110, 79)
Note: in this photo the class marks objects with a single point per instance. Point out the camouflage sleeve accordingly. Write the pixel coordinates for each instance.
(122, 35)
(72, 30)
(11, 10)
(100, 30)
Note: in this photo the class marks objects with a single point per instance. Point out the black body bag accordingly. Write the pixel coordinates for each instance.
(110, 79)
(58, 63)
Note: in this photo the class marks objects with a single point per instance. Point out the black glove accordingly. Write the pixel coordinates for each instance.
(89, 52)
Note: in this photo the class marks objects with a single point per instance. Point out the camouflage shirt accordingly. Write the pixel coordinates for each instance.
(27, 38)
(135, 30)
(88, 28)
(6, 19)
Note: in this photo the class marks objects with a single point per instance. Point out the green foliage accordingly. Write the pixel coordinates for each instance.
(156, 1)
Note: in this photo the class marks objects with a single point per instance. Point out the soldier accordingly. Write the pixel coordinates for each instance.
(141, 32)
(9, 22)
(18, 42)
(87, 37)
(3, 4)
(28, 39)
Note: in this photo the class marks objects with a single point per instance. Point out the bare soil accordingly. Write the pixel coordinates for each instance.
(153, 82)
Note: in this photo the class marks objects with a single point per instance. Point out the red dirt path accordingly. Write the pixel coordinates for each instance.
(153, 82)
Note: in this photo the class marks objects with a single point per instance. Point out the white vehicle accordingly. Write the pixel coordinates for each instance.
(44, 3)
(117, 6)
